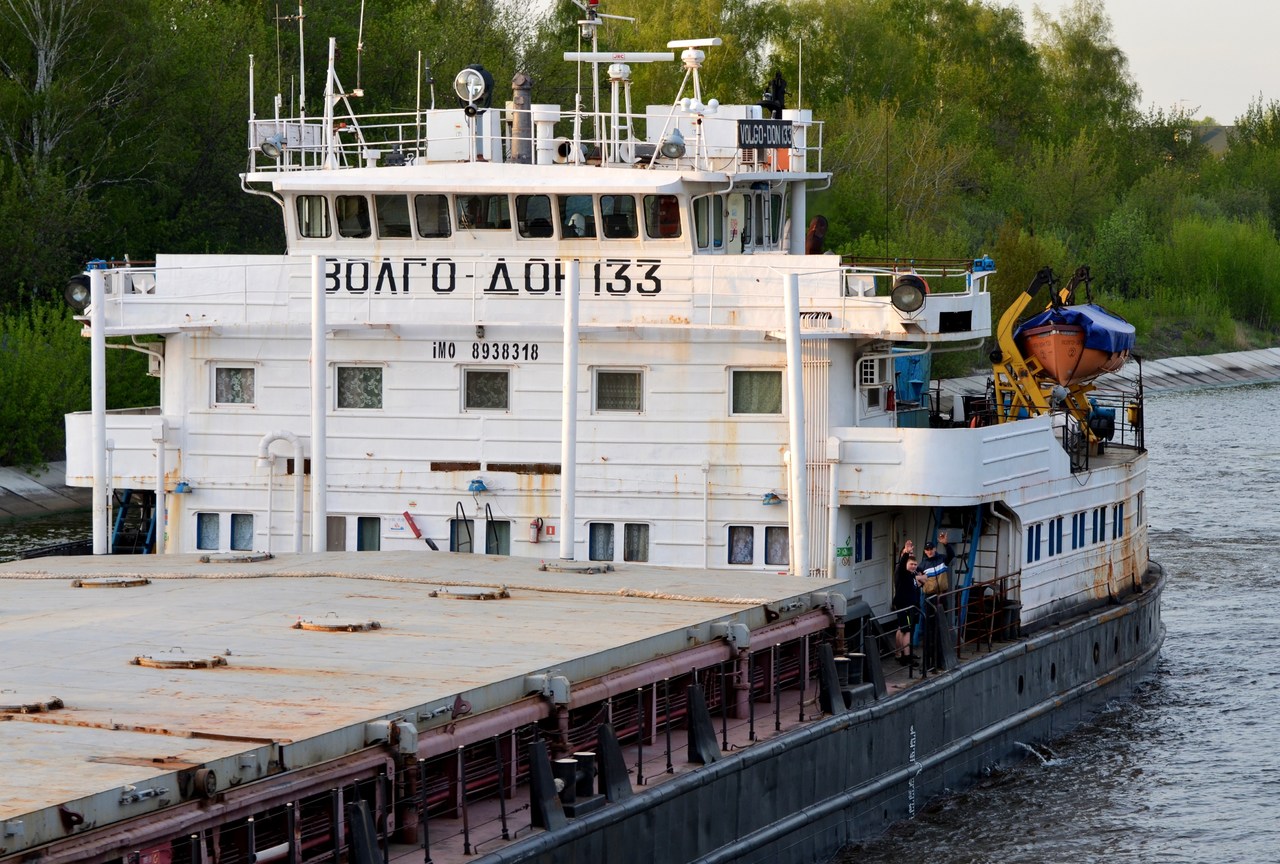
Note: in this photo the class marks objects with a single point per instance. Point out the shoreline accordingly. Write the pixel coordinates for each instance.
(30, 495)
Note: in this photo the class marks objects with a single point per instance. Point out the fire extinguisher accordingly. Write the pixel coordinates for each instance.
(535, 529)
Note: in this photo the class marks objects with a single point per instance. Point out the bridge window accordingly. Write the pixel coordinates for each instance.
(619, 390)
(353, 215)
(359, 387)
(233, 385)
(433, 215)
(393, 216)
(533, 215)
(661, 216)
(313, 216)
(708, 222)
(577, 216)
(335, 528)
(757, 391)
(486, 389)
(618, 215)
(742, 544)
(484, 212)
(777, 546)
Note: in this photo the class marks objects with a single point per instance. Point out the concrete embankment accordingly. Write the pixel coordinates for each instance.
(26, 494)
(30, 494)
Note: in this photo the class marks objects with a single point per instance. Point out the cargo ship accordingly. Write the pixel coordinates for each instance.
(543, 502)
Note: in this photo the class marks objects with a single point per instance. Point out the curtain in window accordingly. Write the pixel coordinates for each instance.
(208, 531)
(757, 392)
(233, 386)
(360, 387)
(241, 531)
(618, 391)
(777, 546)
(601, 541)
(742, 544)
(635, 542)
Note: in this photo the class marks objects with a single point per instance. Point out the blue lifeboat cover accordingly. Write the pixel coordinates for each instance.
(1102, 330)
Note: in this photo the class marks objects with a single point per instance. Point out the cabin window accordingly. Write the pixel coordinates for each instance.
(497, 537)
(862, 550)
(486, 389)
(635, 542)
(708, 222)
(368, 534)
(461, 535)
(393, 216)
(313, 216)
(1033, 542)
(433, 215)
(742, 544)
(1117, 520)
(335, 534)
(353, 215)
(577, 216)
(209, 531)
(484, 212)
(1077, 530)
(600, 541)
(775, 222)
(359, 387)
(1055, 536)
(661, 216)
(1099, 524)
(533, 216)
(242, 531)
(777, 546)
(757, 391)
(233, 385)
(619, 390)
(618, 215)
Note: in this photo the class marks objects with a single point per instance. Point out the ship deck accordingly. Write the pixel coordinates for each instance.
(123, 725)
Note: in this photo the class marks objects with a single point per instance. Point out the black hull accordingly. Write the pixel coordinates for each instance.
(803, 796)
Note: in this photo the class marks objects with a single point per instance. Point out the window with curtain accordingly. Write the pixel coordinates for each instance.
(757, 391)
(241, 531)
(777, 546)
(635, 542)
(233, 385)
(600, 541)
(359, 387)
(619, 390)
(742, 544)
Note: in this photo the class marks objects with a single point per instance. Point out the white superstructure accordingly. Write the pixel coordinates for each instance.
(731, 401)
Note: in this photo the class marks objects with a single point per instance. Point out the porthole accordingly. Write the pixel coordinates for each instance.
(1117, 646)
(1020, 685)
(1053, 671)
(1097, 653)
(1137, 634)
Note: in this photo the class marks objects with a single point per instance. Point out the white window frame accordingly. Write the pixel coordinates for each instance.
(466, 370)
(214, 367)
(616, 370)
(764, 415)
(338, 390)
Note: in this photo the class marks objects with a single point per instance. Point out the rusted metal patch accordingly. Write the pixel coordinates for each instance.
(455, 466)
(336, 626)
(111, 582)
(525, 467)
(179, 662)
(27, 706)
(464, 594)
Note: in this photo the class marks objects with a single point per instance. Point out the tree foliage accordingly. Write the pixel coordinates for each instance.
(951, 126)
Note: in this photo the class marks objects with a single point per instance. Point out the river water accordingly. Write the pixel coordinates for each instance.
(1189, 770)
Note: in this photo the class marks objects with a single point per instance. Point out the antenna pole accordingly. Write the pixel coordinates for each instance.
(302, 75)
(417, 108)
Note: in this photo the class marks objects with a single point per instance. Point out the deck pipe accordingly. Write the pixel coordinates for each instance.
(569, 413)
(319, 403)
(159, 432)
(266, 456)
(98, 389)
(798, 505)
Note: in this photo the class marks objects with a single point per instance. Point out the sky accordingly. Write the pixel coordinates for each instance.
(1210, 57)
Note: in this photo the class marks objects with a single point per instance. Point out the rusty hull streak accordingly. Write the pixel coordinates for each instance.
(46, 720)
